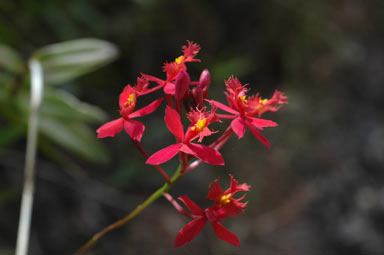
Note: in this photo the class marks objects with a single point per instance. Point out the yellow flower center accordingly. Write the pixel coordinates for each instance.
(243, 98)
(130, 100)
(179, 59)
(200, 124)
(263, 101)
(225, 199)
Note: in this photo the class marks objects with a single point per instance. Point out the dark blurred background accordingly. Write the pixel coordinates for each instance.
(318, 190)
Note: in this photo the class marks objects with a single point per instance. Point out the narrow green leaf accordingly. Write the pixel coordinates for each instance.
(59, 104)
(66, 61)
(75, 137)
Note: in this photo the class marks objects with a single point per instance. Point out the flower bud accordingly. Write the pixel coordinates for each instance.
(205, 80)
(182, 85)
(198, 96)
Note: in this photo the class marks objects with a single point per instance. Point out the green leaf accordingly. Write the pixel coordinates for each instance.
(10, 59)
(66, 61)
(75, 137)
(59, 104)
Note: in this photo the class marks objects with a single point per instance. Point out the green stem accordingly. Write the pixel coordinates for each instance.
(157, 194)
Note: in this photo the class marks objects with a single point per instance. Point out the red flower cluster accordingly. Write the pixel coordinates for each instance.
(225, 206)
(243, 111)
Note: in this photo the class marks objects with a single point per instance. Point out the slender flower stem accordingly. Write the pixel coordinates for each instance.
(37, 85)
(222, 139)
(175, 204)
(158, 168)
(157, 194)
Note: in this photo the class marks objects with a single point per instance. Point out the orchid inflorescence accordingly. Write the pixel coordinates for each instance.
(243, 111)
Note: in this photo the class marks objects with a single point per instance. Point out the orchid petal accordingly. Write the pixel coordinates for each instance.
(215, 191)
(110, 128)
(181, 85)
(207, 154)
(260, 123)
(223, 107)
(185, 148)
(153, 78)
(147, 109)
(190, 231)
(231, 209)
(173, 122)
(257, 134)
(238, 127)
(224, 234)
(194, 208)
(235, 187)
(127, 91)
(135, 129)
(164, 155)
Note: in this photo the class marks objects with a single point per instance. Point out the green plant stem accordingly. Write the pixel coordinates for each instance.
(157, 194)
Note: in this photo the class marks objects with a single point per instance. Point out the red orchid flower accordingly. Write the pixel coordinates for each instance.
(197, 129)
(225, 206)
(243, 109)
(127, 102)
(172, 69)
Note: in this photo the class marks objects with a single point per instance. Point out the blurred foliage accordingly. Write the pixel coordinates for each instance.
(64, 118)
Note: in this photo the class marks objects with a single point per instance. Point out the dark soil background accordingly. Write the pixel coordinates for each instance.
(317, 191)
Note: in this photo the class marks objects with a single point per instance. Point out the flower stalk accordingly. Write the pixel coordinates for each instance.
(152, 198)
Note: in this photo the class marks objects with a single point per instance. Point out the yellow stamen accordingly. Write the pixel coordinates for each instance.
(179, 59)
(243, 98)
(263, 101)
(130, 100)
(200, 124)
(225, 199)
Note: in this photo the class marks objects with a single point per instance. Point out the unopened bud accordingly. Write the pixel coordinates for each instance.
(182, 85)
(205, 80)
(198, 97)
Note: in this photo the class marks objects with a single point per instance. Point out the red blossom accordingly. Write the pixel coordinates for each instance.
(200, 120)
(242, 109)
(225, 206)
(127, 103)
(172, 69)
(174, 125)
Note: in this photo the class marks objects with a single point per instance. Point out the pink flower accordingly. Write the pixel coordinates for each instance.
(198, 128)
(127, 102)
(225, 206)
(242, 109)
